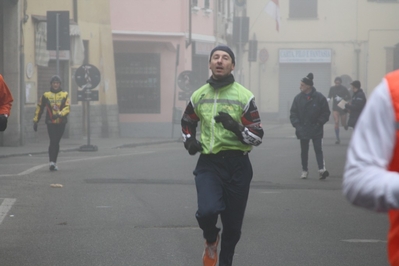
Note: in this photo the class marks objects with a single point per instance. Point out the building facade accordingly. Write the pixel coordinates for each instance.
(154, 42)
(31, 65)
(353, 39)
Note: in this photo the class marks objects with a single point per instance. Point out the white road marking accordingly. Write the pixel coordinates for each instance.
(270, 192)
(364, 241)
(5, 207)
(37, 167)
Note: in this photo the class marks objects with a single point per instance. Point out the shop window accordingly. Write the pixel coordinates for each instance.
(303, 9)
(138, 83)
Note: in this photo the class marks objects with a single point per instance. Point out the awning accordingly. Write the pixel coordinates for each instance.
(73, 27)
(41, 52)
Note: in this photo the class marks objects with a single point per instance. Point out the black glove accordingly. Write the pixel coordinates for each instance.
(35, 126)
(228, 122)
(192, 145)
(3, 122)
(56, 116)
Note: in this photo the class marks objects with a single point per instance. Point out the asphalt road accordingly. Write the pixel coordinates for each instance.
(136, 206)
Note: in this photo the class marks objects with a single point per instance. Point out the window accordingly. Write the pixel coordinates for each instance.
(138, 83)
(206, 4)
(303, 9)
(194, 3)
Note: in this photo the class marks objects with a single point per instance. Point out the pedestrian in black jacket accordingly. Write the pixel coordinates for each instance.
(357, 103)
(309, 113)
(337, 93)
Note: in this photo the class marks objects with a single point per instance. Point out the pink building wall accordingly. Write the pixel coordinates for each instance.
(166, 24)
(160, 16)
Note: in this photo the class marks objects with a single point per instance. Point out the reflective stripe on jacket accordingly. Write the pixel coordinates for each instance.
(393, 235)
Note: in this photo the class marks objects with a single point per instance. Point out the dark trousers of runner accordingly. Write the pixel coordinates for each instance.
(305, 153)
(55, 132)
(222, 184)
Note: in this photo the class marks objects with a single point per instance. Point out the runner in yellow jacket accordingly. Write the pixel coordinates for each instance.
(56, 105)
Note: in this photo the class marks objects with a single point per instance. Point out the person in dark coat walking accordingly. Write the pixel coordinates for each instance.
(309, 112)
(357, 103)
(337, 93)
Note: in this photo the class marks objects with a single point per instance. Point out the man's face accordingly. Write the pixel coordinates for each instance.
(55, 85)
(220, 64)
(354, 89)
(305, 88)
(337, 83)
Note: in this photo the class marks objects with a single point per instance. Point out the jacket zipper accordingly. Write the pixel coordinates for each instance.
(213, 121)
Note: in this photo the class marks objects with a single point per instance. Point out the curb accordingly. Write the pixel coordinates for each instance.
(131, 145)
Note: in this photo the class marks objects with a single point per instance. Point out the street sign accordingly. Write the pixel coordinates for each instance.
(185, 81)
(87, 95)
(184, 95)
(240, 30)
(252, 50)
(87, 76)
(62, 19)
(263, 55)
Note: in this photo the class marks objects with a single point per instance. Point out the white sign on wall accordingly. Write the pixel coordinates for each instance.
(305, 55)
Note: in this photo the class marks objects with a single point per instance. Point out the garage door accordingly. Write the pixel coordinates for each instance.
(290, 76)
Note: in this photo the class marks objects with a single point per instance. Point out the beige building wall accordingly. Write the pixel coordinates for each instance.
(358, 33)
(95, 30)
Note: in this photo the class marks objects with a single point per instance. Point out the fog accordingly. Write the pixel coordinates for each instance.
(110, 182)
(146, 50)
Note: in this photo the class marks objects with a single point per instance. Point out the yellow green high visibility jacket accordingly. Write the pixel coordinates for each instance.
(234, 99)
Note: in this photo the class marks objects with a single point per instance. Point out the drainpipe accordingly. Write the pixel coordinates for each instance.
(22, 87)
(215, 22)
(189, 24)
(357, 51)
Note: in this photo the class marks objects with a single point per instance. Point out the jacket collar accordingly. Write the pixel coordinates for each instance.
(220, 83)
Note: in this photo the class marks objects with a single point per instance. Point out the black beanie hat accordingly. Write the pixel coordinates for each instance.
(356, 84)
(55, 78)
(225, 49)
(308, 80)
(338, 79)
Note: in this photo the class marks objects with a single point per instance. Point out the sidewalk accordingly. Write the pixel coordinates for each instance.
(272, 129)
(74, 145)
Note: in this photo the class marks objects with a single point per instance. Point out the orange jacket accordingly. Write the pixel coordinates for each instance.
(5, 98)
(393, 235)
